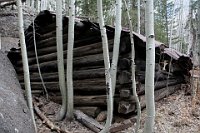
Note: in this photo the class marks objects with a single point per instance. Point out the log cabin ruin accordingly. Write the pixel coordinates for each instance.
(172, 68)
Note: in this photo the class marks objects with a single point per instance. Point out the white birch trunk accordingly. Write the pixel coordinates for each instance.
(0, 41)
(107, 67)
(133, 71)
(138, 16)
(190, 41)
(70, 91)
(116, 43)
(25, 61)
(32, 3)
(67, 7)
(150, 67)
(43, 4)
(37, 6)
(61, 71)
(171, 26)
(28, 2)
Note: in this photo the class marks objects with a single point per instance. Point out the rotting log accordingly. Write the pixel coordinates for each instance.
(52, 45)
(88, 121)
(82, 87)
(51, 66)
(161, 93)
(99, 100)
(161, 84)
(90, 49)
(128, 105)
(125, 90)
(124, 76)
(90, 111)
(77, 75)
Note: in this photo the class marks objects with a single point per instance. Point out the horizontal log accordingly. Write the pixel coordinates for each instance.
(53, 48)
(90, 111)
(161, 84)
(160, 94)
(52, 40)
(128, 105)
(77, 75)
(95, 48)
(125, 76)
(79, 101)
(83, 87)
(51, 66)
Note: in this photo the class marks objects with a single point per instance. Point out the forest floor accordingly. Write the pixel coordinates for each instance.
(177, 113)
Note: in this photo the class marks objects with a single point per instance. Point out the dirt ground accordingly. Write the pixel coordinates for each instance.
(178, 113)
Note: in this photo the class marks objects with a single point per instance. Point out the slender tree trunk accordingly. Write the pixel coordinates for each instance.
(171, 26)
(33, 3)
(198, 32)
(0, 41)
(25, 62)
(181, 28)
(150, 67)
(61, 71)
(70, 91)
(116, 43)
(43, 4)
(28, 2)
(67, 7)
(133, 71)
(190, 42)
(37, 6)
(107, 67)
(138, 13)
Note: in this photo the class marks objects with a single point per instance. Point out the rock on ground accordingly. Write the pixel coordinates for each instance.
(14, 113)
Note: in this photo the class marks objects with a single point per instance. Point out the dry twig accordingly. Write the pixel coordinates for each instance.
(47, 121)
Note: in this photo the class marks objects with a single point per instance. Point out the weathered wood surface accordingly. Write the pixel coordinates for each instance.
(88, 121)
(51, 66)
(90, 111)
(77, 75)
(45, 55)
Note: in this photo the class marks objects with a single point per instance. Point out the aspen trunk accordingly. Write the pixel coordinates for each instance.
(107, 68)
(150, 67)
(138, 16)
(60, 59)
(25, 61)
(116, 43)
(70, 91)
(133, 70)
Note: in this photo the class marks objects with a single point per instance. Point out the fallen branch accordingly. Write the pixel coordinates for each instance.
(124, 125)
(47, 121)
(88, 121)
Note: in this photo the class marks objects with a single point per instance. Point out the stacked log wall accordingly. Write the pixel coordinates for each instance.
(89, 72)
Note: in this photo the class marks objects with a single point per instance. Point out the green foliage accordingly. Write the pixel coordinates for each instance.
(161, 21)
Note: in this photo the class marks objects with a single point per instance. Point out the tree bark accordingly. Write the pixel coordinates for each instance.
(25, 61)
(69, 76)
(107, 68)
(150, 67)
(60, 59)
